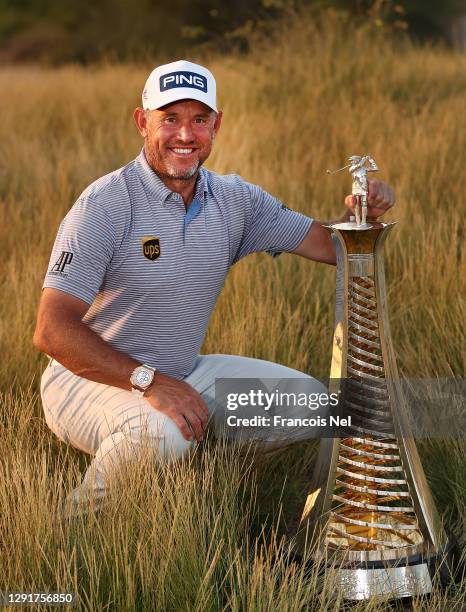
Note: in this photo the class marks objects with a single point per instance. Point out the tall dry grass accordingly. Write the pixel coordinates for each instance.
(206, 534)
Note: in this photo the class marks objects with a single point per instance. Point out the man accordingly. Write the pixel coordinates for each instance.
(136, 269)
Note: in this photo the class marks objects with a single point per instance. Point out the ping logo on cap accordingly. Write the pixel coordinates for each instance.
(183, 79)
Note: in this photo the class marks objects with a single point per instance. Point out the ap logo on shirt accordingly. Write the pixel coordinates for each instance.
(150, 247)
(58, 269)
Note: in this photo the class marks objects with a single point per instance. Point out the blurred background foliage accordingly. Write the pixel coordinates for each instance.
(61, 31)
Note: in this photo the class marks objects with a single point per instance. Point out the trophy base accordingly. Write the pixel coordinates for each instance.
(400, 579)
(391, 582)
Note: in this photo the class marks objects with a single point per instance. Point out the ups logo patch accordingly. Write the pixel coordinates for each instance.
(150, 247)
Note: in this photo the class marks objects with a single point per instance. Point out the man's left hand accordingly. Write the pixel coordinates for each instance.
(380, 198)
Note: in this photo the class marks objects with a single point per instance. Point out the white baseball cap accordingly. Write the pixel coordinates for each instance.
(179, 81)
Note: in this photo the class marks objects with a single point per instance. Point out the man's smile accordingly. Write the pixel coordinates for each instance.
(182, 151)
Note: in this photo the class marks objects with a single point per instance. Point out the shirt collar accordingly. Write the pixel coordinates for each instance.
(157, 188)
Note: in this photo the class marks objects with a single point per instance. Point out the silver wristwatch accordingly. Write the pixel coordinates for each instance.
(141, 379)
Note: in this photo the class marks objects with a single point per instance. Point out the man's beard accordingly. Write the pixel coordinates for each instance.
(179, 175)
(166, 171)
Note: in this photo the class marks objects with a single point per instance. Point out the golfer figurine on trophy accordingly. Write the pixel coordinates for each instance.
(358, 169)
(369, 503)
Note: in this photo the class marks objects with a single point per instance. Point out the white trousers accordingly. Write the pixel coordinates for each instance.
(113, 424)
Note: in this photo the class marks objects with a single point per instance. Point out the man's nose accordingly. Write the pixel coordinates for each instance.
(185, 132)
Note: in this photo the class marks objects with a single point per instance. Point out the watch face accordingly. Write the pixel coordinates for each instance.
(143, 378)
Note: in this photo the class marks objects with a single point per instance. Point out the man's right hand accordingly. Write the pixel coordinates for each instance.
(179, 401)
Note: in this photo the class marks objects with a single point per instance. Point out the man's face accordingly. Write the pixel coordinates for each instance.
(178, 137)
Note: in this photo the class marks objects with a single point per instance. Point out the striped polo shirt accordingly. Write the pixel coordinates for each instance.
(151, 270)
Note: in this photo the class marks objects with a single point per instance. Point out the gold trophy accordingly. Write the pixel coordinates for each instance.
(369, 507)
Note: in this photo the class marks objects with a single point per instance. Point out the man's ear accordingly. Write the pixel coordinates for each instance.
(217, 123)
(140, 120)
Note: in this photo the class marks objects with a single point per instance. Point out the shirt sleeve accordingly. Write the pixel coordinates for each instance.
(82, 251)
(272, 226)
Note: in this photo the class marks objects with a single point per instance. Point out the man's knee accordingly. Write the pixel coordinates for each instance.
(172, 444)
(160, 433)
